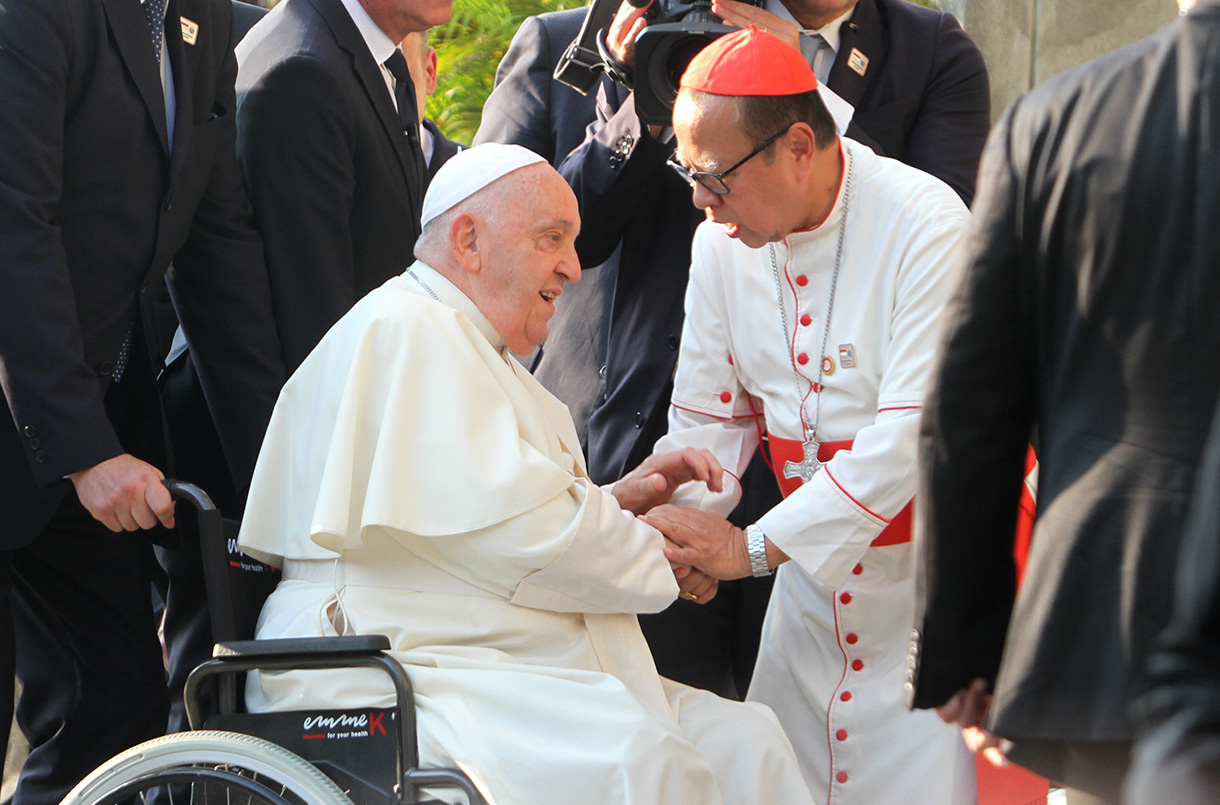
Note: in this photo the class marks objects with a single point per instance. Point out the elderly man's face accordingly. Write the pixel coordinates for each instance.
(530, 255)
(401, 17)
(754, 211)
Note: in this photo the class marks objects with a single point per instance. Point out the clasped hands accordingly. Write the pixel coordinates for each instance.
(701, 547)
(652, 484)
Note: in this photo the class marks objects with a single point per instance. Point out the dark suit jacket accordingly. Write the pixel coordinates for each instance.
(613, 343)
(442, 149)
(245, 15)
(1088, 311)
(1179, 745)
(924, 98)
(336, 185)
(93, 207)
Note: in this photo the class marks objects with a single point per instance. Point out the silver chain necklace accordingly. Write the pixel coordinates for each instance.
(809, 464)
(431, 292)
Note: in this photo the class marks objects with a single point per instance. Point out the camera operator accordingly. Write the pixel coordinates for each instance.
(920, 92)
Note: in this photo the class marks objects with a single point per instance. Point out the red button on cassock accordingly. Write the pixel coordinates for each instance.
(857, 665)
(858, 569)
(841, 735)
(851, 638)
(845, 598)
(841, 777)
(802, 359)
(806, 320)
(725, 396)
(845, 696)
(802, 280)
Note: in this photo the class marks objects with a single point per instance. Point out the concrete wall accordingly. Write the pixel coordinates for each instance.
(1026, 42)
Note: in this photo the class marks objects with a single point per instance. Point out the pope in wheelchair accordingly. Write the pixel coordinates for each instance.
(417, 482)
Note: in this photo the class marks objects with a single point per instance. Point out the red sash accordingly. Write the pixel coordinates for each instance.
(784, 450)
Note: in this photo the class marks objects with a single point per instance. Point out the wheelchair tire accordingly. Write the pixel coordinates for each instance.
(207, 758)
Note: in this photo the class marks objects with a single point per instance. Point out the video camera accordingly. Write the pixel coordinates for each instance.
(676, 32)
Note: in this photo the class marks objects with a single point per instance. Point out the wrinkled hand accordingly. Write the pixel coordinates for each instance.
(744, 14)
(654, 481)
(125, 494)
(620, 39)
(968, 708)
(702, 540)
(692, 582)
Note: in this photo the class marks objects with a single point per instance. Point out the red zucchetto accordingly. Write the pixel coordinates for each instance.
(749, 62)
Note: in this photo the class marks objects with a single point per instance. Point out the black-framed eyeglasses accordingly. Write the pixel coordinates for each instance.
(714, 182)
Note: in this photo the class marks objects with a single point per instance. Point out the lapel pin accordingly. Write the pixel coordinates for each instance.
(857, 61)
(847, 356)
(190, 30)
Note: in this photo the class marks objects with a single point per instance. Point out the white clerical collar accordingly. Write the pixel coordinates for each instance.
(378, 42)
(424, 278)
(829, 32)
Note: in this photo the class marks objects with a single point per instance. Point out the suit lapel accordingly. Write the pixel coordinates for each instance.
(862, 32)
(130, 29)
(369, 74)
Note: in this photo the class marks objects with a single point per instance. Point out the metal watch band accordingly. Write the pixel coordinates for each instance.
(756, 544)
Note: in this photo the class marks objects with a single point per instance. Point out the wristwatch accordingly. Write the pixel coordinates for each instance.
(756, 545)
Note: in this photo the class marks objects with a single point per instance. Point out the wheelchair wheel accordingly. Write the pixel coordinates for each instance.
(207, 767)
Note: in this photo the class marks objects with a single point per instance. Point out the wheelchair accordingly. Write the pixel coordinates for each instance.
(350, 756)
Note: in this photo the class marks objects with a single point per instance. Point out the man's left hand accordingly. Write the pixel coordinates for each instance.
(968, 709)
(655, 480)
(744, 14)
(693, 585)
(702, 540)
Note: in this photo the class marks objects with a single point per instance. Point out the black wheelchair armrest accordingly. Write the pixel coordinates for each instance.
(301, 647)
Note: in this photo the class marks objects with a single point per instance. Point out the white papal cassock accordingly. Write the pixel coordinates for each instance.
(832, 660)
(416, 482)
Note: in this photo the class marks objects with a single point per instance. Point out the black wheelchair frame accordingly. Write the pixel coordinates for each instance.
(365, 767)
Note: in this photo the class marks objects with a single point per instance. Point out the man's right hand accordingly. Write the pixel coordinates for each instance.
(620, 39)
(125, 494)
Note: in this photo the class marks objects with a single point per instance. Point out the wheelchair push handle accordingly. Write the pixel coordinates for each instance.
(181, 490)
(211, 525)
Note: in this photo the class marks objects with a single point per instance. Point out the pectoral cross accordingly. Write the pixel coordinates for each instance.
(807, 467)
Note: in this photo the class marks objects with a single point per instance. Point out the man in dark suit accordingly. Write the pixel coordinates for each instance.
(331, 153)
(118, 138)
(922, 97)
(421, 60)
(1087, 317)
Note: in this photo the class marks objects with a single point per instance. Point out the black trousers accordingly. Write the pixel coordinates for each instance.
(81, 636)
(79, 631)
